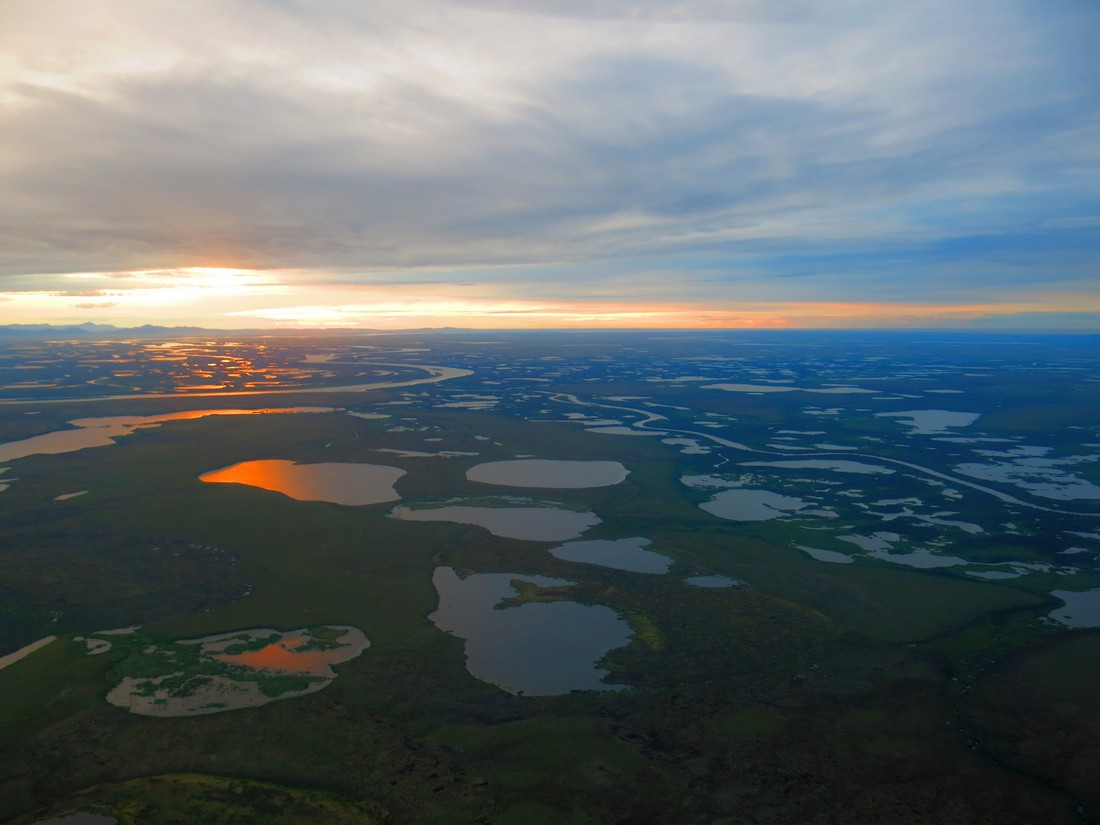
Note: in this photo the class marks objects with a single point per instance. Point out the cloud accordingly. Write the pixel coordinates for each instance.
(714, 147)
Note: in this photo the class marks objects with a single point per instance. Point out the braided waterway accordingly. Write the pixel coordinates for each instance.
(649, 418)
(435, 375)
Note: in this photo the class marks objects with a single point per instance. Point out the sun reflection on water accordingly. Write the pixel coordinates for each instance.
(347, 484)
(286, 655)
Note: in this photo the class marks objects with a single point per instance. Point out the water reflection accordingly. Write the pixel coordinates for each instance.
(190, 368)
(350, 484)
(296, 651)
(756, 505)
(539, 472)
(536, 648)
(618, 554)
(529, 523)
(283, 655)
(103, 432)
(228, 671)
(1081, 609)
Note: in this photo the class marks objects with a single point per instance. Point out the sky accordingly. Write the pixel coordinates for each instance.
(551, 163)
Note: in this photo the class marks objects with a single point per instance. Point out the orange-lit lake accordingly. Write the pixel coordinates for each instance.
(350, 484)
(283, 655)
(293, 651)
(102, 432)
(232, 676)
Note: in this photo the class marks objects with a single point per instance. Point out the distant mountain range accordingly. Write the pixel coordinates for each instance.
(90, 330)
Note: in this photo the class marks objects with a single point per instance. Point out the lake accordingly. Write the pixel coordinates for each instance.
(539, 472)
(536, 648)
(618, 554)
(829, 556)
(752, 505)
(529, 523)
(349, 484)
(932, 422)
(102, 432)
(1081, 609)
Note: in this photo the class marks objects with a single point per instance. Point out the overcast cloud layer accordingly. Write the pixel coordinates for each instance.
(708, 153)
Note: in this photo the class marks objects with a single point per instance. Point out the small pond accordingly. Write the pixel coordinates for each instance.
(829, 556)
(715, 581)
(228, 671)
(67, 496)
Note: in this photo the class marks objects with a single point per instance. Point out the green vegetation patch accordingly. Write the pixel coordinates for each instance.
(884, 603)
(182, 799)
(750, 721)
(1039, 712)
(229, 671)
(90, 579)
(536, 759)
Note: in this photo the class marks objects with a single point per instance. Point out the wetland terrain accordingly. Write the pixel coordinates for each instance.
(430, 577)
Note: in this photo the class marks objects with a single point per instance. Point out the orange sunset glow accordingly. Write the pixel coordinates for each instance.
(495, 165)
(510, 315)
(240, 299)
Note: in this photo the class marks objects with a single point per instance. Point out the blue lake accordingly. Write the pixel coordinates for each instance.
(537, 648)
(618, 554)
